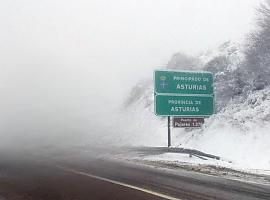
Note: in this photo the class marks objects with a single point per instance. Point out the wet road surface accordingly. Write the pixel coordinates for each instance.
(79, 176)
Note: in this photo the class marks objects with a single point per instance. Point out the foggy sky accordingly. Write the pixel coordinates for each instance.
(63, 64)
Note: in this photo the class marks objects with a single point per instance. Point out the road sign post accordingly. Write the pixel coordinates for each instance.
(183, 94)
(169, 131)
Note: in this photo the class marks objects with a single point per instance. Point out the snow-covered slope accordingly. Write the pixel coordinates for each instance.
(239, 131)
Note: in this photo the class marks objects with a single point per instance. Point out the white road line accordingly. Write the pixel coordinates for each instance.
(119, 183)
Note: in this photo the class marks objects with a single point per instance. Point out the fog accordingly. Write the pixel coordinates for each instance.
(66, 66)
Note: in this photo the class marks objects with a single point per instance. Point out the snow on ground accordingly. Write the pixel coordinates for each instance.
(222, 168)
(185, 159)
(239, 133)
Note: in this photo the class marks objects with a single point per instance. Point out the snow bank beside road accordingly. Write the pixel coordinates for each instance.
(240, 132)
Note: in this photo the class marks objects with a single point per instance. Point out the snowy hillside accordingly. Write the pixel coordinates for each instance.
(239, 131)
(223, 62)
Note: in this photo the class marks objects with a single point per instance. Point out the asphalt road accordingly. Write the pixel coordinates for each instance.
(79, 176)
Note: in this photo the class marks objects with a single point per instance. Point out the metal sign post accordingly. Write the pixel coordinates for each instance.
(185, 94)
(169, 131)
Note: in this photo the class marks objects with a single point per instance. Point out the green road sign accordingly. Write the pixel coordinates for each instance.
(183, 82)
(166, 105)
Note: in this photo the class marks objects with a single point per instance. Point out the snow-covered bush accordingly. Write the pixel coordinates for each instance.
(257, 52)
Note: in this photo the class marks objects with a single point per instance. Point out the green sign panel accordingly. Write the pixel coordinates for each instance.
(184, 105)
(183, 82)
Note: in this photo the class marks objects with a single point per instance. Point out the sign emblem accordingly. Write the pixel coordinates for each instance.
(163, 82)
(162, 78)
